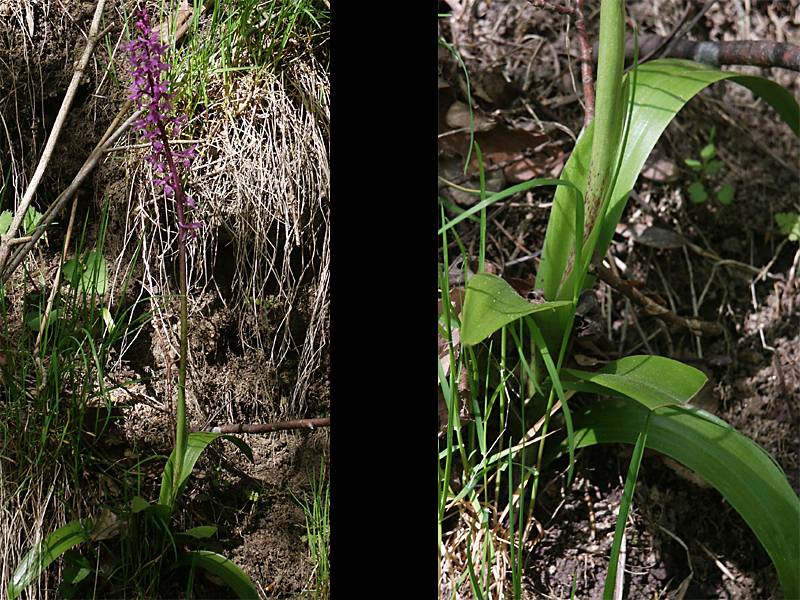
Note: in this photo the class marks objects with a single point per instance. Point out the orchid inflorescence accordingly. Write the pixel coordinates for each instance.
(150, 92)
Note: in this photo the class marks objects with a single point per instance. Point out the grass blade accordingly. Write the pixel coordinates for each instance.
(624, 509)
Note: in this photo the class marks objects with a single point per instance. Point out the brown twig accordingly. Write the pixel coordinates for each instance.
(651, 307)
(763, 53)
(268, 427)
(57, 282)
(680, 29)
(587, 77)
(51, 213)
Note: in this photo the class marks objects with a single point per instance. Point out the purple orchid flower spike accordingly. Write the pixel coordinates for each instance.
(150, 91)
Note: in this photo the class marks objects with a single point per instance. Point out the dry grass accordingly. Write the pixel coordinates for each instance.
(261, 183)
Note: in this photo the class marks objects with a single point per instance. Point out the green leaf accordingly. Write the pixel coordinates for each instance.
(40, 557)
(663, 87)
(138, 504)
(725, 194)
(490, 303)
(693, 164)
(5, 221)
(697, 193)
(653, 381)
(708, 152)
(196, 443)
(108, 319)
(68, 270)
(95, 277)
(200, 532)
(223, 568)
(747, 476)
(624, 509)
(30, 220)
(713, 167)
(76, 569)
(90, 272)
(789, 224)
(33, 319)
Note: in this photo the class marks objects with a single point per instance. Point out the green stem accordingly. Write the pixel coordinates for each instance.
(180, 410)
(181, 441)
(608, 118)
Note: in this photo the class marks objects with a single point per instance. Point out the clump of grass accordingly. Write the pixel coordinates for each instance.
(318, 533)
(55, 406)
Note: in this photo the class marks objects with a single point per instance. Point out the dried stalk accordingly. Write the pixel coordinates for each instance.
(268, 427)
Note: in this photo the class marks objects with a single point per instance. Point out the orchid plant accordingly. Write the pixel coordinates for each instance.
(645, 400)
(158, 123)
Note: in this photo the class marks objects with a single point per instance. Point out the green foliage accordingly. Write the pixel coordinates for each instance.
(29, 221)
(654, 381)
(196, 444)
(42, 555)
(705, 170)
(89, 273)
(746, 476)
(223, 568)
(663, 87)
(318, 534)
(129, 524)
(789, 224)
(655, 390)
(491, 303)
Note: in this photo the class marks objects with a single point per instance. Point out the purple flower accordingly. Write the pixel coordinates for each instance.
(150, 91)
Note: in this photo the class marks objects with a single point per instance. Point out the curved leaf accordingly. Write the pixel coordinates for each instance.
(654, 381)
(663, 87)
(745, 474)
(490, 303)
(195, 445)
(200, 532)
(221, 567)
(39, 558)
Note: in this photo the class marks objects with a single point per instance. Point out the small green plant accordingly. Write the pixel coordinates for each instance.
(706, 168)
(789, 224)
(29, 222)
(318, 535)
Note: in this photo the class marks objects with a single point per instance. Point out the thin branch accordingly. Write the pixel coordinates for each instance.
(267, 427)
(763, 53)
(47, 153)
(651, 307)
(57, 282)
